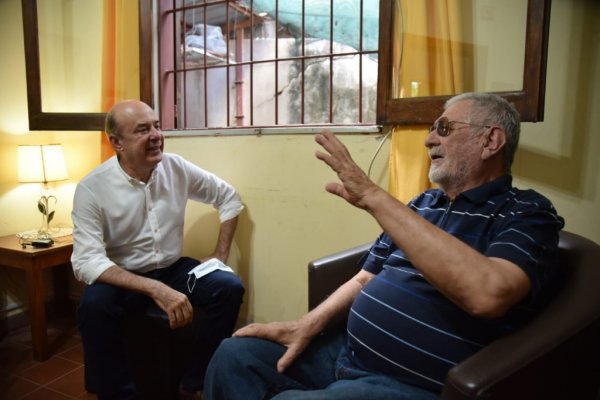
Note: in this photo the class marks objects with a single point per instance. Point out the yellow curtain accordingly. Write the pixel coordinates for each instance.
(120, 57)
(431, 51)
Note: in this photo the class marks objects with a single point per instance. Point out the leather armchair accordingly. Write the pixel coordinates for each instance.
(554, 356)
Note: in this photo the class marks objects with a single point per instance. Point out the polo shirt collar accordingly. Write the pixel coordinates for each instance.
(483, 193)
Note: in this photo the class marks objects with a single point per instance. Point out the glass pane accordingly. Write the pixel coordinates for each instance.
(345, 90)
(288, 93)
(264, 94)
(370, 25)
(205, 42)
(347, 100)
(263, 33)
(239, 95)
(70, 45)
(263, 47)
(216, 91)
(369, 89)
(316, 91)
(452, 48)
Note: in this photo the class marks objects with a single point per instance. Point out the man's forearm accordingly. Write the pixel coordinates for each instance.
(226, 233)
(335, 308)
(478, 284)
(122, 278)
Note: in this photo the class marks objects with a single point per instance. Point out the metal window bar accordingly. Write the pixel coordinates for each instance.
(227, 74)
(330, 103)
(360, 63)
(251, 62)
(276, 63)
(180, 72)
(302, 82)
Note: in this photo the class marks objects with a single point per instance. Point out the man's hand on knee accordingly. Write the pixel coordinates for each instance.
(175, 304)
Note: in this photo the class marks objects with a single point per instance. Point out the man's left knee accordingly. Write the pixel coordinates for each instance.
(235, 288)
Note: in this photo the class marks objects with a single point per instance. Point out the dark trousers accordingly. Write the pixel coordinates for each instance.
(104, 307)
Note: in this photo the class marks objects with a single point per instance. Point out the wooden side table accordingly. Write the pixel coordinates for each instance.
(33, 261)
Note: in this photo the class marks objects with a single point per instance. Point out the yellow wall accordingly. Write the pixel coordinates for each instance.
(289, 218)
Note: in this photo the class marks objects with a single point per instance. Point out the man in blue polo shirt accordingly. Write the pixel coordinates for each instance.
(455, 268)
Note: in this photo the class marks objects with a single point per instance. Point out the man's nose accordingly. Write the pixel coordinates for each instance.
(155, 134)
(431, 139)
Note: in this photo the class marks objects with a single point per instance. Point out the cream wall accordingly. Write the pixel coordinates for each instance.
(18, 202)
(559, 156)
(289, 218)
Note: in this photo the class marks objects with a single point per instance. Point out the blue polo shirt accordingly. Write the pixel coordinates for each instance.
(401, 325)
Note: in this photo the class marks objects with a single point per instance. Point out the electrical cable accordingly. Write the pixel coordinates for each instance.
(389, 130)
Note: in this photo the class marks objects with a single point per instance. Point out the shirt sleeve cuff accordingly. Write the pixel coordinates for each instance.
(230, 211)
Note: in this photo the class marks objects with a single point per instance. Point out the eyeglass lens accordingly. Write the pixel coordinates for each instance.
(440, 126)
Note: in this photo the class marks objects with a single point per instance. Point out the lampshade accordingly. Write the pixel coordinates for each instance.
(41, 163)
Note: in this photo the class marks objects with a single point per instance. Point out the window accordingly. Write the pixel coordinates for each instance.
(391, 109)
(267, 63)
(527, 94)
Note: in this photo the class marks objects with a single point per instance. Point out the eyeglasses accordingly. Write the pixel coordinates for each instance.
(443, 126)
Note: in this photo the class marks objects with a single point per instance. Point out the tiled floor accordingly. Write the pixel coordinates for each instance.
(60, 377)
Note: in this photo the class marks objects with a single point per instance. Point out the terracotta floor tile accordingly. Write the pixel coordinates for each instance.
(75, 353)
(62, 334)
(47, 371)
(15, 357)
(20, 335)
(71, 384)
(45, 394)
(12, 387)
(60, 377)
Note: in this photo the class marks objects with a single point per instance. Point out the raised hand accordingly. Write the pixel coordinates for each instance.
(356, 185)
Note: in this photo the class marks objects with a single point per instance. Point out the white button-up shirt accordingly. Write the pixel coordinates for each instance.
(138, 226)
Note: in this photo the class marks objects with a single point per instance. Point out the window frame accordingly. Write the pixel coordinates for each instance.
(409, 111)
(167, 95)
(529, 101)
(74, 121)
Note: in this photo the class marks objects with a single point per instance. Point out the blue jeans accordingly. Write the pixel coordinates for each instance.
(245, 368)
(104, 307)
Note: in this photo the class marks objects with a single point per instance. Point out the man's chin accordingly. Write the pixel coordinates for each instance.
(434, 175)
(154, 158)
(438, 177)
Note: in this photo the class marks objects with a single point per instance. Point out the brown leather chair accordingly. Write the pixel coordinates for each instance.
(554, 356)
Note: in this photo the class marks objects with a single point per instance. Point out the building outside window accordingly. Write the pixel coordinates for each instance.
(267, 63)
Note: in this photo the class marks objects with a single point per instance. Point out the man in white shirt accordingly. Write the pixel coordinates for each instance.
(128, 217)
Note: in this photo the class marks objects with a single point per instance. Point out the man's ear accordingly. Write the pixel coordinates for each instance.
(493, 141)
(115, 142)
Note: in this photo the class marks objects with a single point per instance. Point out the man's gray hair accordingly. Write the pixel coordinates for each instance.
(111, 126)
(491, 109)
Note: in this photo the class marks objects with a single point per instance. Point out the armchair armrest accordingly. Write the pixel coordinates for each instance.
(556, 355)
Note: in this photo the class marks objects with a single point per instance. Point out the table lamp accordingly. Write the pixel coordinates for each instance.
(42, 164)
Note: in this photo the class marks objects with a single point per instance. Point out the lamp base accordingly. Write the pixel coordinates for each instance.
(51, 233)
